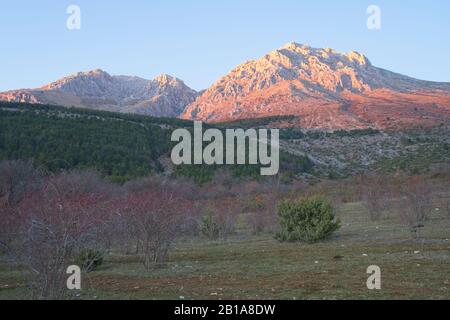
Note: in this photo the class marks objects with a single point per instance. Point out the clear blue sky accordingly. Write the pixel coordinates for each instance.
(199, 41)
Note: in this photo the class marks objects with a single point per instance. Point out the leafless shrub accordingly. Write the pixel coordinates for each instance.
(227, 223)
(8, 227)
(375, 195)
(17, 180)
(155, 219)
(55, 224)
(157, 183)
(219, 216)
(415, 203)
(261, 213)
(440, 189)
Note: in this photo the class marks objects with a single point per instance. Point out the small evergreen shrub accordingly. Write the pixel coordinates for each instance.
(307, 220)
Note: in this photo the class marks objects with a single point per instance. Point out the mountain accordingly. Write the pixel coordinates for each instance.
(322, 89)
(164, 96)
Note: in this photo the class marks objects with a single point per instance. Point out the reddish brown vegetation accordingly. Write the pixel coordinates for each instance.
(153, 219)
(375, 194)
(46, 221)
(46, 226)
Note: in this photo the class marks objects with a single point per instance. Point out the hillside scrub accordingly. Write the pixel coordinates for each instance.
(52, 220)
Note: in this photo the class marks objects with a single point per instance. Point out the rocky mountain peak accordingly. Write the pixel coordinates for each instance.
(359, 58)
(165, 79)
(320, 88)
(79, 79)
(300, 80)
(163, 96)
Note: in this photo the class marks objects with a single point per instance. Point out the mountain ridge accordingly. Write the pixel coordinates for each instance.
(164, 96)
(321, 88)
(326, 89)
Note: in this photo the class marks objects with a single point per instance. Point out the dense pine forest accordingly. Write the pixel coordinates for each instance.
(120, 146)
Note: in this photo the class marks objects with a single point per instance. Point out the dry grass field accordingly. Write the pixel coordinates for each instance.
(246, 266)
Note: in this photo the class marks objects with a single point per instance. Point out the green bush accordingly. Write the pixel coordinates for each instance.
(308, 220)
(210, 228)
(89, 260)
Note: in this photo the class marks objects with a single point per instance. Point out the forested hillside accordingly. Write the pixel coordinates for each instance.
(119, 146)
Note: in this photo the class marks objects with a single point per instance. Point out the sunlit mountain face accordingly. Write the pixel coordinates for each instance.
(325, 89)
(321, 88)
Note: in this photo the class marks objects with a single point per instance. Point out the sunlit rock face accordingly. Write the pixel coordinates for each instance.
(325, 89)
(163, 96)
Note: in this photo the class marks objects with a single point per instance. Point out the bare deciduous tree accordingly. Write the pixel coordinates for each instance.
(414, 203)
(155, 218)
(17, 180)
(55, 223)
(375, 195)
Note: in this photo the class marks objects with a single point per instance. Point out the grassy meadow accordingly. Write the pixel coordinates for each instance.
(247, 266)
